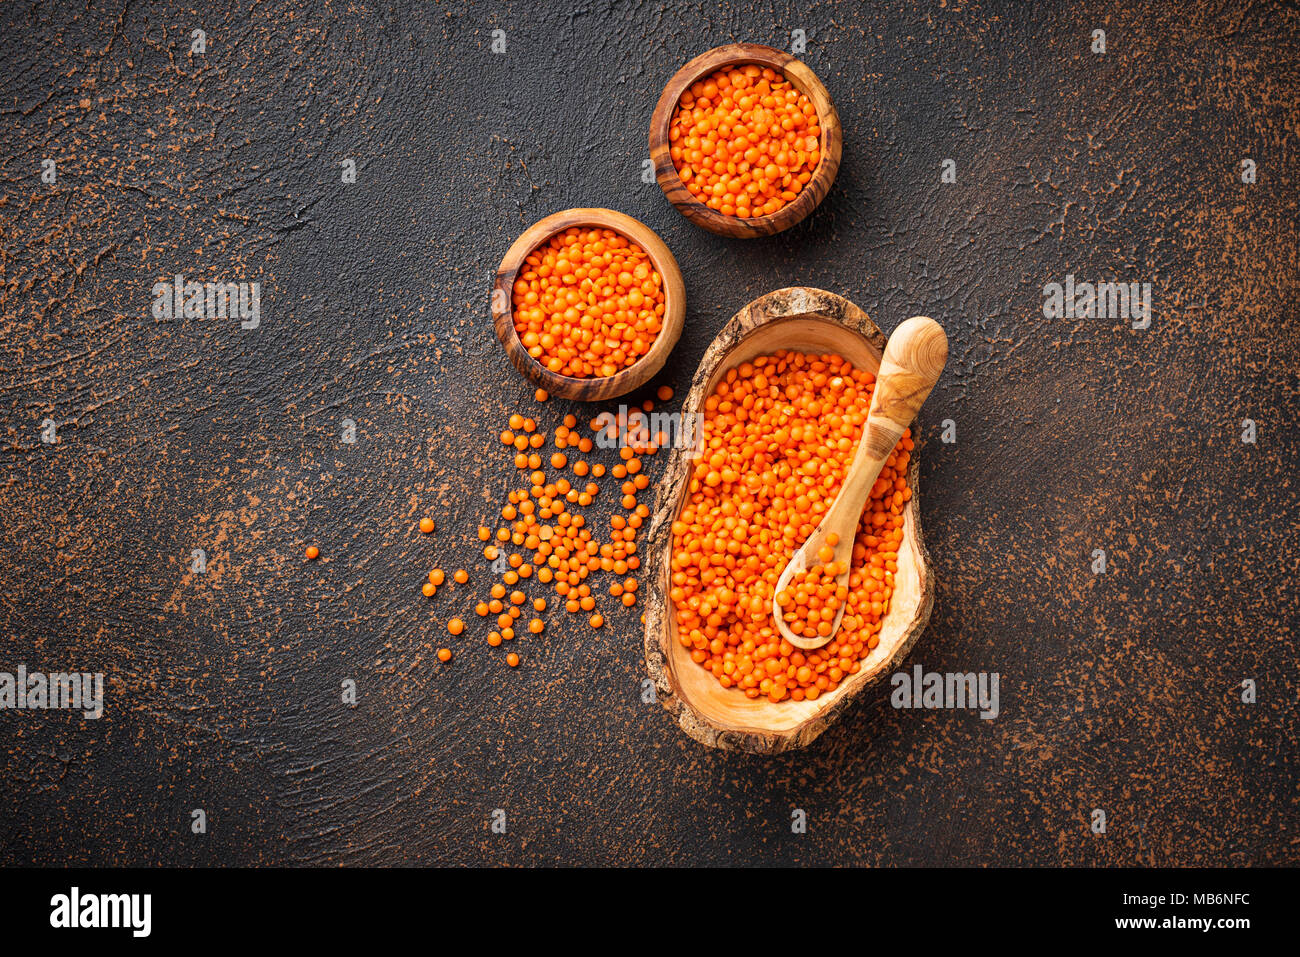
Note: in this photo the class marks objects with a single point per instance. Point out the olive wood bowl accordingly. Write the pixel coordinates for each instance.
(805, 81)
(595, 388)
(803, 320)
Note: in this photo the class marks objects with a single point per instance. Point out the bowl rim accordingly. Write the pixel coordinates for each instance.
(805, 80)
(593, 388)
(787, 304)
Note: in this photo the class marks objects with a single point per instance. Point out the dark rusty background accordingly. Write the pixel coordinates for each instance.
(1119, 691)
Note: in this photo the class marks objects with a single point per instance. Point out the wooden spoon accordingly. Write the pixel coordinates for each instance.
(913, 359)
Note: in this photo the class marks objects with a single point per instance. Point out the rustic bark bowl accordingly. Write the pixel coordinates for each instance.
(805, 81)
(596, 388)
(809, 321)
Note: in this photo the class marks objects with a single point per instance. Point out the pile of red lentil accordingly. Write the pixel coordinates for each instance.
(588, 303)
(779, 435)
(543, 541)
(812, 599)
(744, 141)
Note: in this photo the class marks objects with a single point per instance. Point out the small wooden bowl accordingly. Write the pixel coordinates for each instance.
(625, 380)
(810, 321)
(805, 81)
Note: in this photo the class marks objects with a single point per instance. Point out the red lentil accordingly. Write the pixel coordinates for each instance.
(588, 302)
(761, 485)
(744, 141)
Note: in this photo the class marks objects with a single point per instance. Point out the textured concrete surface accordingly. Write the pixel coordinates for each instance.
(1119, 691)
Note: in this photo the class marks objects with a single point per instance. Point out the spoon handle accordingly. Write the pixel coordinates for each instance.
(914, 357)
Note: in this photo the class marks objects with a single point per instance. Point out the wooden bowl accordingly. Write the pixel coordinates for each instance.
(625, 380)
(810, 321)
(805, 81)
